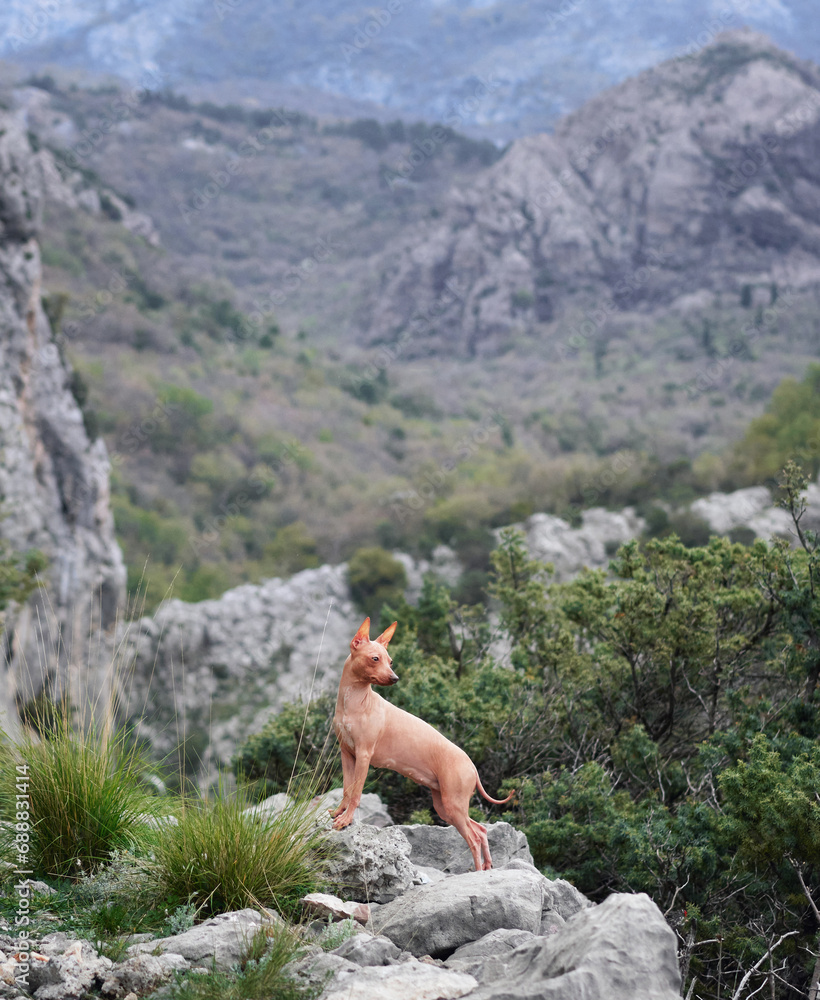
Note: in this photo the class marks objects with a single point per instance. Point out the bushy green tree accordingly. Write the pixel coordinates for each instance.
(375, 577)
(788, 430)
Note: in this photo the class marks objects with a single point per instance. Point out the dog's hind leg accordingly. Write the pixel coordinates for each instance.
(481, 832)
(473, 833)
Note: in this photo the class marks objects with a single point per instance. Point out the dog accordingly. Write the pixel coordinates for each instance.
(372, 731)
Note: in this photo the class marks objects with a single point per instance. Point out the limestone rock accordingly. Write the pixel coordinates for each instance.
(553, 540)
(436, 919)
(317, 969)
(485, 959)
(367, 949)
(407, 981)
(253, 648)
(651, 192)
(142, 974)
(271, 807)
(753, 508)
(370, 864)
(444, 848)
(322, 904)
(35, 886)
(69, 975)
(371, 809)
(224, 939)
(622, 949)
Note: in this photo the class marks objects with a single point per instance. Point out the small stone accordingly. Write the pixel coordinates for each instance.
(324, 905)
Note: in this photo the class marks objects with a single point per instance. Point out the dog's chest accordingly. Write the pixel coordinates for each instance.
(347, 731)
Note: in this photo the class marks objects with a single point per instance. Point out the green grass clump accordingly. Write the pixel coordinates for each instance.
(221, 857)
(336, 933)
(84, 794)
(260, 977)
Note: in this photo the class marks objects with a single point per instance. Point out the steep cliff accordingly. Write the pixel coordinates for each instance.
(53, 479)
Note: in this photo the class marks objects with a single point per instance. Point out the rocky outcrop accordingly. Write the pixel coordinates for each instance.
(440, 917)
(697, 177)
(509, 933)
(65, 185)
(488, 935)
(221, 941)
(53, 479)
(443, 847)
(622, 949)
(552, 540)
(248, 652)
(752, 508)
(371, 865)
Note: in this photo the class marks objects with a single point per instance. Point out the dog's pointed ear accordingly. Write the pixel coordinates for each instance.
(387, 635)
(362, 636)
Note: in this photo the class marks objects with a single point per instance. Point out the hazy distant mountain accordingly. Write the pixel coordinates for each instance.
(693, 183)
(416, 58)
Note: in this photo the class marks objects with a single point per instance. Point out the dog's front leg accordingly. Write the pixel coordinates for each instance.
(348, 766)
(353, 792)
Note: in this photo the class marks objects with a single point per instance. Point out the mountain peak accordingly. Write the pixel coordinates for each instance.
(696, 177)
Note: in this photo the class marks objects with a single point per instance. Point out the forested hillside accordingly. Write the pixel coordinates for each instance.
(222, 284)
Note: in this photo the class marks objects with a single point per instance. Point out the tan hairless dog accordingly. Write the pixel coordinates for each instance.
(372, 731)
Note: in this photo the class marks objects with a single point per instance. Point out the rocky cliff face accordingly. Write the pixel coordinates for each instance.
(53, 480)
(695, 182)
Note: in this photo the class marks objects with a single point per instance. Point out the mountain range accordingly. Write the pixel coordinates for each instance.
(299, 334)
(406, 58)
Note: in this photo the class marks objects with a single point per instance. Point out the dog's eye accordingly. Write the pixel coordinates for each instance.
(376, 659)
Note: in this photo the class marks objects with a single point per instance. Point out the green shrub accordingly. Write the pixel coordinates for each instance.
(295, 744)
(789, 429)
(336, 933)
(375, 578)
(293, 548)
(222, 857)
(84, 796)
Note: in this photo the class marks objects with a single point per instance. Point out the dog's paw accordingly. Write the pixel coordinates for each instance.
(343, 819)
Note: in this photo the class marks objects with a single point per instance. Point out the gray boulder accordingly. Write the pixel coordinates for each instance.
(224, 940)
(408, 981)
(320, 970)
(486, 958)
(367, 949)
(371, 809)
(437, 919)
(271, 807)
(621, 950)
(444, 848)
(370, 865)
(565, 899)
(142, 974)
(70, 975)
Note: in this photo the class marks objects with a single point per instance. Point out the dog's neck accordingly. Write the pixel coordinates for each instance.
(353, 690)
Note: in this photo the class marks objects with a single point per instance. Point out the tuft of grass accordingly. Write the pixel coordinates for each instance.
(336, 933)
(79, 794)
(220, 857)
(261, 977)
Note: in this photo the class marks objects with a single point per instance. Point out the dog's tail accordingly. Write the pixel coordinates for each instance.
(498, 802)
